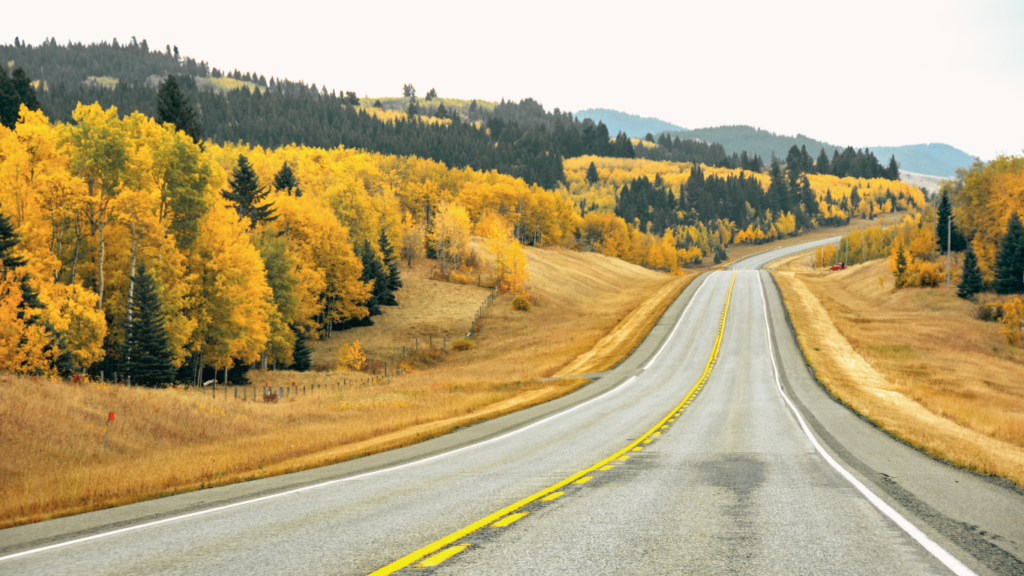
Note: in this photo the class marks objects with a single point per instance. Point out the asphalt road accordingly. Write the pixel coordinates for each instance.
(740, 465)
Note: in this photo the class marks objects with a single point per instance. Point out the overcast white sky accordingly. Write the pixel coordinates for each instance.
(859, 72)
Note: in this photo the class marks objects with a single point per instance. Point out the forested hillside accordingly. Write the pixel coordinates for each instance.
(521, 139)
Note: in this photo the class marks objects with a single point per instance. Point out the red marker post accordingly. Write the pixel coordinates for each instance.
(110, 418)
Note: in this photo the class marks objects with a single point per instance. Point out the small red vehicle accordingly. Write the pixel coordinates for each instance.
(840, 266)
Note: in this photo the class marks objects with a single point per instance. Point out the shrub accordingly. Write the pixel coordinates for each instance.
(352, 357)
(922, 274)
(462, 344)
(991, 311)
(521, 302)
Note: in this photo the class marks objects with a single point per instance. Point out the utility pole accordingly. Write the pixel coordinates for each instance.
(949, 244)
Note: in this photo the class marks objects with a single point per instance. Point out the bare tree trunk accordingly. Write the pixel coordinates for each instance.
(78, 247)
(103, 255)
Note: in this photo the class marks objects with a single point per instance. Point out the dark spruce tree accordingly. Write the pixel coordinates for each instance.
(172, 106)
(1010, 259)
(145, 352)
(285, 180)
(893, 172)
(944, 227)
(592, 175)
(970, 279)
(247, 196)
(14, 92)
(387, 252)
(373, 271)
(302, 355)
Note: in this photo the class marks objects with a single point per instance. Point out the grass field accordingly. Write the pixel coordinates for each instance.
(168, 441)
(916, 362)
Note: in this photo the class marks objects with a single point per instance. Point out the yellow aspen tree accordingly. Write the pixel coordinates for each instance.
(450, 233)
(669, 255)
(412, 239)
(232, 302)
(99, 153)
(328, 265)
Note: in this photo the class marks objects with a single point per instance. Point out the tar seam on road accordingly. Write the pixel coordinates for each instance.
(947, 559)
(346, 479)
(439, 546)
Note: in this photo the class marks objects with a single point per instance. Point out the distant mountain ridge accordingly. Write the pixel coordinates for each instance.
(634, 126)
(934, 159)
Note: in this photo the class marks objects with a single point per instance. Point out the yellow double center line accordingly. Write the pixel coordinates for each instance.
(633, 446)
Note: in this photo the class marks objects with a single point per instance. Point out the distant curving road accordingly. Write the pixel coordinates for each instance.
(711, 450)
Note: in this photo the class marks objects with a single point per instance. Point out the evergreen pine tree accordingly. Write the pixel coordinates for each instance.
(172, 106)
(8, 100)
(302, 355)
(970, 279)
(14, 92)
(900, 275)
(822, 165)
(1010, 259)
(854, 199)
(285, 180)
(374, 271)
(893, 172)
(387, 252)
(146, 355)
(942, 226)
(592, 175)
(246, 194)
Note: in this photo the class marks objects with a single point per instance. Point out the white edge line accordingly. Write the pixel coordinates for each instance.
(356, 477)
(313, 486)
(937, 551)
(678, 322)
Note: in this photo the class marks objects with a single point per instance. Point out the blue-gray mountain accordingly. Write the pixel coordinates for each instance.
(935, 159)
(634, 126)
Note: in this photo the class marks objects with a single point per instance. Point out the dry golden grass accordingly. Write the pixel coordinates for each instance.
(427, 309)
(916, 362)
(169, 441)
(611, 349)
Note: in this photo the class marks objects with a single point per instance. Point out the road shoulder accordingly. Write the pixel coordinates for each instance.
(975, 517)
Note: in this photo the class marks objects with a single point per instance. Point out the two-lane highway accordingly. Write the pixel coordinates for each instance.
(710, 450)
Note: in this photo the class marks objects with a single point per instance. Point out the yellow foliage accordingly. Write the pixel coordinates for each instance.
(983, 200)
(450, 234)
(1013, 322)
(352, 357)
(509, 260)
(25, 346)
(786, 224)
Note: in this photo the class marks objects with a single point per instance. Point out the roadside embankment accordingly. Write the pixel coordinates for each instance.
(916, 362)
(167, 441)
